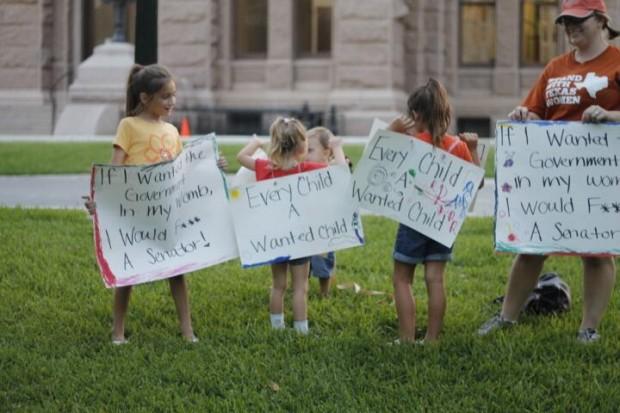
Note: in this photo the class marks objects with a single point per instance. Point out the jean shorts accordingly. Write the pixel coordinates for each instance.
(322, 266)
(299, 261)
(412, 247)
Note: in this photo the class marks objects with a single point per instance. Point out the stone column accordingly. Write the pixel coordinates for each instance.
(280, 39)
(435, 44)
(184, 39)
(506, 73)
(368, 55)
(22, 100)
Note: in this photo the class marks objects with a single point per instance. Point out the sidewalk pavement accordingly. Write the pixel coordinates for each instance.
(66, 191)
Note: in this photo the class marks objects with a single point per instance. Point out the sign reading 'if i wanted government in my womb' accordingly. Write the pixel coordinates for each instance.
(295, 216)
(416, 184)
(558, 187)
(158, 221)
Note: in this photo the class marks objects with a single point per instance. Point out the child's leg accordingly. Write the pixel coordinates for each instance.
(119, 310)
(178, 288)
(405, 302)
(299, 275)
(324, 286)
(278, 288)
(433, 275)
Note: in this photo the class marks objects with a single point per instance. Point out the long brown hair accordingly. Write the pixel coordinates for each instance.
(286, 136)
(144, 79)
(429, 105)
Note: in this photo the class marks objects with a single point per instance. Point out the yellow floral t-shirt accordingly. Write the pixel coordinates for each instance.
(147, 142)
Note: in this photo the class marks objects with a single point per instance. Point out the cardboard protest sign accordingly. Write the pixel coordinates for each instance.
(558, 187)
(482, 149)
(158, 221)
(416, 184)
(295, 216)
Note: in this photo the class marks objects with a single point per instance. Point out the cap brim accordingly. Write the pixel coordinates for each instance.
(575, 12)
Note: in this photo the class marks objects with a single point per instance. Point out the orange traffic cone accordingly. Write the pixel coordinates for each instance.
(185, 131)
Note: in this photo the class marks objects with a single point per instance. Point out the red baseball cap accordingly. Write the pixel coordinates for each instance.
(582, 8)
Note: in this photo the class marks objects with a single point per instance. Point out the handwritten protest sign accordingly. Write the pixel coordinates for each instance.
(558, 187)
(416, 184)
(157, 221)
(482, 149)
(295, 216)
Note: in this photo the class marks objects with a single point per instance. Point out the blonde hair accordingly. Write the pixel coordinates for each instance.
(324, 135)
(431, 107)
(286, 136)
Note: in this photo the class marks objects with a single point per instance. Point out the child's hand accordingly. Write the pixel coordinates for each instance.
(470, 139)
(258, 141)
(89, 204)
(402, 124)
(522, 113)
(222, 162)
(335, 142)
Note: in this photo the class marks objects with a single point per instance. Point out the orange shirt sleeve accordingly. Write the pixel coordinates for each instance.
(462, 151)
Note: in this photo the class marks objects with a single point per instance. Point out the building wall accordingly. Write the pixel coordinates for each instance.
(381, 50)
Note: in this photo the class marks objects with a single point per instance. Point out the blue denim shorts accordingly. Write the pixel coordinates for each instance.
(322, 266)
(412, 247)
(299, 261)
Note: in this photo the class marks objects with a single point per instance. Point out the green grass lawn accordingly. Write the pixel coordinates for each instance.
(25, 158)
(55, 351)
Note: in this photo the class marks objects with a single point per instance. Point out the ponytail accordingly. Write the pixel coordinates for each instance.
(133, 98)
(286, 136)
(429, 105)
(605, 19)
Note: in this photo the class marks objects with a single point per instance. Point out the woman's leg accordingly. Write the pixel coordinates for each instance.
(433, 275)
(599, 277)
(119, 310)
(178, 288)
(523, 278)
(405, 303)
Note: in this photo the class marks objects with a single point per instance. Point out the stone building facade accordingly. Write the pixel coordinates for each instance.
(376, 52)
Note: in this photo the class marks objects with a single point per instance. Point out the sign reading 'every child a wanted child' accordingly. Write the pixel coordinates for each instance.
(158, 221)
(558, 187)
(416, 184)
(295, 216)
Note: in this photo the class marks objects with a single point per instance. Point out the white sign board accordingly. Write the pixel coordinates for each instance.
(482, 149)
(416, 184)
(158, 221)
(558, 187)
(295, 216)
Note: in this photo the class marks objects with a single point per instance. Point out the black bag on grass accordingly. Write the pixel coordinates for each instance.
(551, 296)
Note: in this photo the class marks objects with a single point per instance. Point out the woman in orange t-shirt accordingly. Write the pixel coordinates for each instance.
(581, 85)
